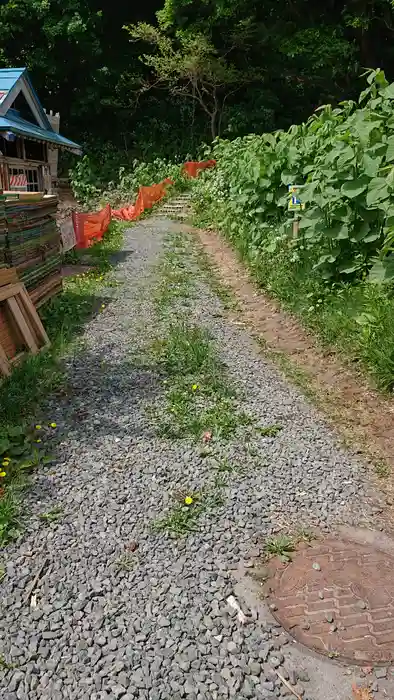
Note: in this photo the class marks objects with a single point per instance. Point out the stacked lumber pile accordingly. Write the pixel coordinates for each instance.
(33, 243)
(3, 234)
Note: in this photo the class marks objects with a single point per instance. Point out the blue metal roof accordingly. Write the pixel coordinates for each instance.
(21, 127)
(10, 119)
(8, 78)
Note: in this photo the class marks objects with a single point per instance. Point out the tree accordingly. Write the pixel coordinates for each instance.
(189, 66)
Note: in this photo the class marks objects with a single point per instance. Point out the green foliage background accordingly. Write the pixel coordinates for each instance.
(84, 65)
(291, 59)
(338, 271)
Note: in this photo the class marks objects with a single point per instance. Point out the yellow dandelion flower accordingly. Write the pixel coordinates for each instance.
(39, 440)
(188, 500)
(38, 427)
(53, 425)
(3, 474)
(195, 387)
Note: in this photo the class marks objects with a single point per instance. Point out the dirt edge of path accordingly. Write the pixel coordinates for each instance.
(364, 418)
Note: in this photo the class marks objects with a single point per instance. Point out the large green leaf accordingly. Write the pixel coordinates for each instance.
(354, 188)
(382, 271)
(371, 164)
(348, 268)
(377, 191)
(388, 91)
(373, 236)
(339, 232)
(390, 149)
(289, 178)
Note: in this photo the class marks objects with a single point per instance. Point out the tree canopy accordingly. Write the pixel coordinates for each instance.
(162, 76)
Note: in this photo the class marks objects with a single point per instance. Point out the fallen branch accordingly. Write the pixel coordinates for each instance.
(35, 580)
(288, 685)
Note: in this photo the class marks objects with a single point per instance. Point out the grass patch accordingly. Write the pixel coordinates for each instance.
(199, 399)
(30, 383)
(175, 281)
(355, 319)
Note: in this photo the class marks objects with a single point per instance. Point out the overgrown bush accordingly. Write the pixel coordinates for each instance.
(344, 158)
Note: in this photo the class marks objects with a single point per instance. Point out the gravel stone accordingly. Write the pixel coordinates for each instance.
(381, 672)
(159, 629)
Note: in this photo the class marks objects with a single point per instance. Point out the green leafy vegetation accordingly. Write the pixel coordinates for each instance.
(338, 271)
(23, 440)
(94, 185)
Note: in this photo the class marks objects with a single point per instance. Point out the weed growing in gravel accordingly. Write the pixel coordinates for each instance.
(269, 430)
(382, 470)
(5, 665)
(126, 562)
(183, 516)
(304, 535)
(53, 515)
(224, 466)
(175, 281)
(281, 546)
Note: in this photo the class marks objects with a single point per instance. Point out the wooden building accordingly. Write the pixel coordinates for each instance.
(27, 136)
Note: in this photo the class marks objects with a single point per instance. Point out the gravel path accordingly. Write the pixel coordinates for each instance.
(163, 630)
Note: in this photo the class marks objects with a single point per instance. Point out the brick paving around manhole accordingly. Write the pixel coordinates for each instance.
(337, 597)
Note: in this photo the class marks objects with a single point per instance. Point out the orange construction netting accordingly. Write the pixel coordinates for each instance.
(90, 228)
(192, 169)
(147, 197)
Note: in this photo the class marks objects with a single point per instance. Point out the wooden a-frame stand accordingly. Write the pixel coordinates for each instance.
(23, 317)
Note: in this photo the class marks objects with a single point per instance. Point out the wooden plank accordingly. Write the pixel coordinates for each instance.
(22, 325)
(8, 275)
(33, 316)
(4, 364)
(10, 290)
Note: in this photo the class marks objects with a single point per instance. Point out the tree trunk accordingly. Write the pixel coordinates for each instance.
(214, 116)
(213, 125)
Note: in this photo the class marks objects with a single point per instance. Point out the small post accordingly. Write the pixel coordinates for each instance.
(296, 225)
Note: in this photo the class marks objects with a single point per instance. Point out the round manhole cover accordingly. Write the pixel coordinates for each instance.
(337, 598)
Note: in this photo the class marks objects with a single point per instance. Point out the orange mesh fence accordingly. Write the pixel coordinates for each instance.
(147, 197)
(90, 228)
(193, 168)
